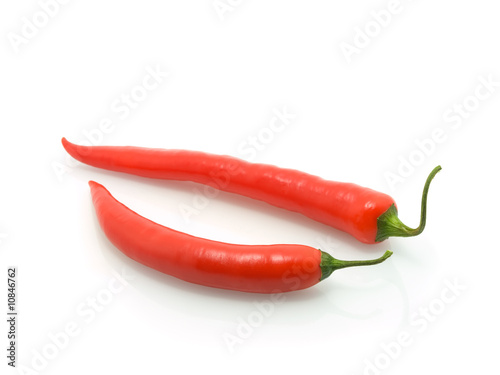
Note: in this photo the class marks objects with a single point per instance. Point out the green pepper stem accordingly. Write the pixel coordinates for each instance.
(329, 264)
(389, 225)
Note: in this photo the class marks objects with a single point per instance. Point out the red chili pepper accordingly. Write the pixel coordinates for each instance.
(247, 268)
(368, 215)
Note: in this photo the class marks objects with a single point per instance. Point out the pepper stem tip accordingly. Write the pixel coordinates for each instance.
(389, 224)
(330, 264)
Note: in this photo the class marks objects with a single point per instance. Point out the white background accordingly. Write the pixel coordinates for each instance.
(356, 118)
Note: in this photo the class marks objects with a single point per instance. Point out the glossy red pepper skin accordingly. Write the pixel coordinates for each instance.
(345, 206)
(247, 268)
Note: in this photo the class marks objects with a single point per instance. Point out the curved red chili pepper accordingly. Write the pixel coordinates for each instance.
(368, 215)
(247, 268)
